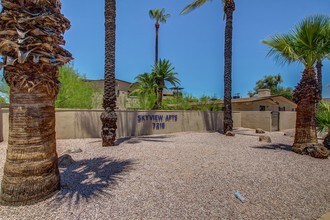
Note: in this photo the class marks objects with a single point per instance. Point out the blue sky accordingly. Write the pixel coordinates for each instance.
(192, 42)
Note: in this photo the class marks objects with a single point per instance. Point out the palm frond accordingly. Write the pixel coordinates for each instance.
(163, 71)
(159, 15)
(307, 43)
(192, 6)
(282, 48)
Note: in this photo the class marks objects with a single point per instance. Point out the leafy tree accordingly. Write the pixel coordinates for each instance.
(273, 84)
(323, 121)
(229, 8)
(109, 116)
(74, 92)
(302, 45)
(163, 73)
(160, 17)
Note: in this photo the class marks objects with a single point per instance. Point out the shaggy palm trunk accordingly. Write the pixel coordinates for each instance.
(30, 46)
(109, 116)
(319, 77)
(31, 172)
(156, 45)
(228, 121)
(306, 95)
(160, 94)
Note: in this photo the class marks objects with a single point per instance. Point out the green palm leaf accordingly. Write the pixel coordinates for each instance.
(306, 43)
(159, 15)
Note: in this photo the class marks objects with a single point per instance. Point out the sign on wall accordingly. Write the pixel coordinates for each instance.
(158, 121)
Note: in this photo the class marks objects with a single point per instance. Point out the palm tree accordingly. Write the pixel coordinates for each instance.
(229, 8)
(144, 87)
(160, 17)
(109, 116)
(144, 84)
(323, 121)
(163, 72)
(322, 54)
(31, 70)
(302, 45)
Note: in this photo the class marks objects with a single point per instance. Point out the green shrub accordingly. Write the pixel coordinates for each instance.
(74, 92)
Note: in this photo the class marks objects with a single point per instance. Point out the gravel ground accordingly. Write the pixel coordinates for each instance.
(185, 176)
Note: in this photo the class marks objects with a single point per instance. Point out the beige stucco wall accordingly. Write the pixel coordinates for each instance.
(270, 106)
(254, 106)
(256, 119)
(287, 120)
(87, 123)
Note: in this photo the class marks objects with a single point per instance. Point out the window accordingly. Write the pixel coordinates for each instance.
(281, 109)
(262, 108)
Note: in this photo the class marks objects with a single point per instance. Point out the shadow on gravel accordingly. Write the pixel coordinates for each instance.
(247, 134)
(159, 138)
(90, 178)
(274, 147)
(122, 140)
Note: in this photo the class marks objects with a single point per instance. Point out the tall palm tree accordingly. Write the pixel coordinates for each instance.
(32, 54)
(109, 116)
(229, 8)
(302, 45)
(160, 17)
(322, 54)
(163, 72)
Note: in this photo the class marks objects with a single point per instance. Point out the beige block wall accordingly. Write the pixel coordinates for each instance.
(71, 124)
(254, 106)
(287, 120)
(256, 119)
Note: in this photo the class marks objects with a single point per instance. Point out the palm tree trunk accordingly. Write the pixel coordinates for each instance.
(109, 116)
(319, 76)
(228, 121)
(160, 94)
(31, 171)
(305, 95)
(156, 46)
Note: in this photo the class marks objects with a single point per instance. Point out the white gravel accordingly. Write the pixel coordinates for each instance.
(185, 176)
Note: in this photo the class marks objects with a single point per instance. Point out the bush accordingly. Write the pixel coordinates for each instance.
(74, 92)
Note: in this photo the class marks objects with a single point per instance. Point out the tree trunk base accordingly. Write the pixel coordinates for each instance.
(109, 121)
(313, 150)
(30, 202)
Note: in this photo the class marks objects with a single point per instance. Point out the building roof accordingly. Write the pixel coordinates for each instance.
(326, 100)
